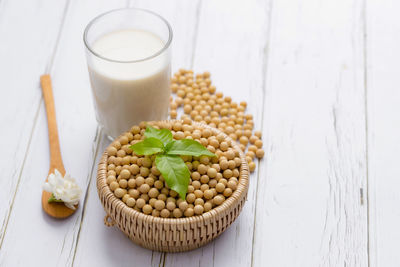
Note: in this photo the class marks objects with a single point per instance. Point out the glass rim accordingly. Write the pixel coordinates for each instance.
(95, 19)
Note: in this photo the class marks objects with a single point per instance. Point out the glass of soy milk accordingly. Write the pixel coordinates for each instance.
(129, 61)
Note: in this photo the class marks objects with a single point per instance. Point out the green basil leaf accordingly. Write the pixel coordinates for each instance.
(164, 135)
(175, 173)
(168, 146)
(187, 147)
(148, 146)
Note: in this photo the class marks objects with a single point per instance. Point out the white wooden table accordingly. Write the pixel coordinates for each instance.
(323, 84)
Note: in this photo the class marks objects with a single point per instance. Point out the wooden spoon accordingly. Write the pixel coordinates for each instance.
(54, 209)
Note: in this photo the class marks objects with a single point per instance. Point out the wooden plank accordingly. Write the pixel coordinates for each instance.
(231, 43)
(383, 102)
(309, 211)
(29, 33)
(44, 240)
(110, 243)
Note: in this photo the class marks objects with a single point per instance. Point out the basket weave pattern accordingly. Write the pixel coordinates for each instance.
(174, 234)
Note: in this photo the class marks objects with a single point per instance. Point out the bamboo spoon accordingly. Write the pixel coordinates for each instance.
(54, 209)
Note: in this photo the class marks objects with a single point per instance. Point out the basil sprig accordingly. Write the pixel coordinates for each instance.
(168, 160)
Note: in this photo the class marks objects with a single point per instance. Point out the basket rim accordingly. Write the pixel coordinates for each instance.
(238, 194)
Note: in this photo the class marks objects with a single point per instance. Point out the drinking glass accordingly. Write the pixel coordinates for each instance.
(129, 86)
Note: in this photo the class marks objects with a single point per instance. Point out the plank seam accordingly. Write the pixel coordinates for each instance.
(164, 260)
(213, 254)
(263, 84)
(99, 134)
(161, 256)
(73, 239)
(53, 56)
(365, 39)
(10, 208)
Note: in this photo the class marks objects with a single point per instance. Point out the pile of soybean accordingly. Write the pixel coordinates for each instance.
(138, 183)
(202, 103)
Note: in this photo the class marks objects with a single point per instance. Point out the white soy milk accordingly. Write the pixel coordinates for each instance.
(127, 93)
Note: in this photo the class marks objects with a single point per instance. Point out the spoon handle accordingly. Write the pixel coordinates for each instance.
(55, 152)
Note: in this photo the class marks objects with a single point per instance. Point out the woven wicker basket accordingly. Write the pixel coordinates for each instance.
(170, 234)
